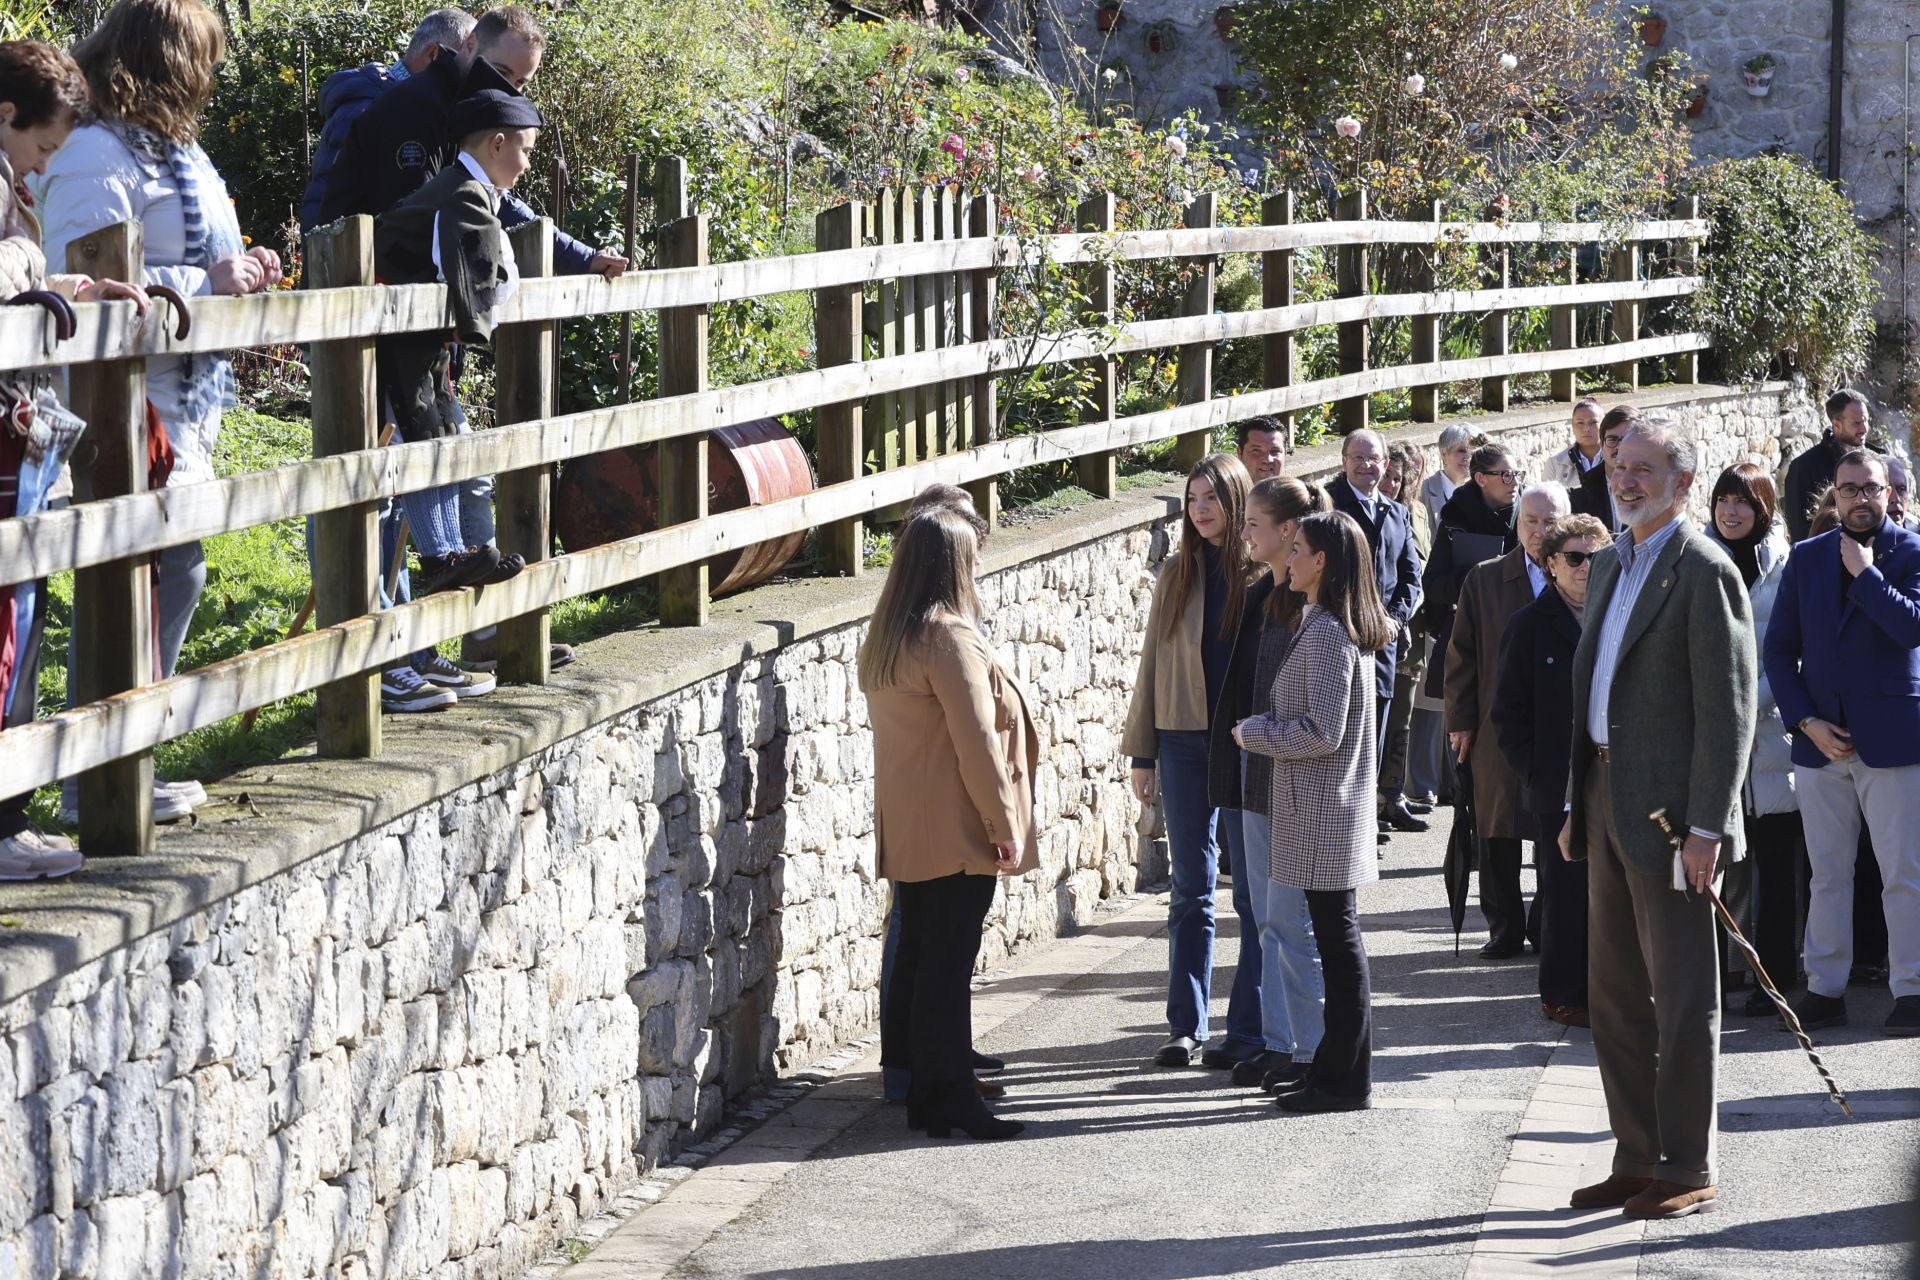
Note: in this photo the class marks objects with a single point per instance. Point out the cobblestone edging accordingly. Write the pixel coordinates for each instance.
(421, 1016)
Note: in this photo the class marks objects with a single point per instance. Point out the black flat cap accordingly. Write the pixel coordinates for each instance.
(492, 109)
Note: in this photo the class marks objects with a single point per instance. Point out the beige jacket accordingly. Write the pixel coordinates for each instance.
(1171, 690)
(954, 754)
(23, 265)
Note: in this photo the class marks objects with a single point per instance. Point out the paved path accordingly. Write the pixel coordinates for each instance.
(1485, 1114)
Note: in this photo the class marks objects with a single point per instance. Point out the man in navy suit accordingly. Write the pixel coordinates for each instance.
(1396, 567)
(1843, 656)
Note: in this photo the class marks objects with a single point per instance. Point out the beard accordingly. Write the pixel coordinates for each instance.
(1653, 508)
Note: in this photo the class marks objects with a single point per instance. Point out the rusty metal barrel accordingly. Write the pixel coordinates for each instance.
(615, 495)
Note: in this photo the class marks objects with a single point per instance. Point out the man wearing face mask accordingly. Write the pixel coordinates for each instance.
(1809, 474)
(1843, 655)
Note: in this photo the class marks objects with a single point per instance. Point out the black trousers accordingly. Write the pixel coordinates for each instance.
(1561, 897)
(929, 1009)
(1343, 1064)
(1774, 848)
(1502, 901)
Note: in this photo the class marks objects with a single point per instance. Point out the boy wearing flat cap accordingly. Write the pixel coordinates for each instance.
(449, 230)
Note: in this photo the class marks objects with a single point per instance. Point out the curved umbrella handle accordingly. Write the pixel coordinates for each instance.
(65, 323)
(182, 318)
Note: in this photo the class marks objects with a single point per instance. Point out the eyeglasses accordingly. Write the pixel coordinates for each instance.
(1511, 477)
(1852, 491)
(1575, 559)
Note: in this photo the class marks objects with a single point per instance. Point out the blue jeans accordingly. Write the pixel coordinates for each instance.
(894, 1081)
(1191, 842)
(1293, 991)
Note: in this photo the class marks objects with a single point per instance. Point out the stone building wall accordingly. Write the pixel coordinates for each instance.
(416, 1017)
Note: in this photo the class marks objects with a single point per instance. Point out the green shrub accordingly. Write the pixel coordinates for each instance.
(1789, 274)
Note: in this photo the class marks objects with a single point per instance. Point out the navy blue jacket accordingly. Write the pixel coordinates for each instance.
(1396, 565)
(402, 139)
(1532, 710)
(1857, 666)
(343, 98)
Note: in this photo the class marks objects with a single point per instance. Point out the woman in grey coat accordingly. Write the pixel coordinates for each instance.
(1764, 888)
(1319, 731)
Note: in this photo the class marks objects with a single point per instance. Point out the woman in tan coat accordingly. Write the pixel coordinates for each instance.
(954, 756)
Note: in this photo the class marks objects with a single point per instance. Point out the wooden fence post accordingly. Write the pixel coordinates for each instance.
(1424, 334)
(927, 330)
(1496, 272)
(1686, 262)
(1196, 358)
(983, 221)
(886, 410)
(838, 339)
(683, 369)
(113, 602)
(525, 360)
(1351, 281)
(1277, 290)
(630, 225)
(1099, 473)
(346, 573)
(1565, 335)
(1626, 313)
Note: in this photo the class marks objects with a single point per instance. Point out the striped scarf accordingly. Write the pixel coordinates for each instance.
(212, 234)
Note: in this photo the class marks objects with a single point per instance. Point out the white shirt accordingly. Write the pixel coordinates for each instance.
(1536, 576)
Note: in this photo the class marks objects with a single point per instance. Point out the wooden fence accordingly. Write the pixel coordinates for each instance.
(901, 403)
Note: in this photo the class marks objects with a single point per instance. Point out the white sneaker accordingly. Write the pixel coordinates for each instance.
(35, 838)
(21, 859)
(170, 803)
(193, 793)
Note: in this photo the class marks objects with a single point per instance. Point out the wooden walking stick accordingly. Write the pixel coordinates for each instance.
(1787, 1014)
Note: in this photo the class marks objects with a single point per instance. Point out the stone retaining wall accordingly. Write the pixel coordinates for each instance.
(415, 1017)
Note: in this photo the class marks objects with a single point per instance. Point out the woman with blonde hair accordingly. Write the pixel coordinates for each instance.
(1318, 729)
(150, 68)
(1195, 616)
(954, 757)
(1290, 986)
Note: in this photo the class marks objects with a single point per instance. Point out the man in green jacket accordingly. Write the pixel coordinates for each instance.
(1664, 687)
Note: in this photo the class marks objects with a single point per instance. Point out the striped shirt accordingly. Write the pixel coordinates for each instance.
(1636, 566)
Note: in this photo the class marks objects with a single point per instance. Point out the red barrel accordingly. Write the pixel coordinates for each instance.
(609, 496)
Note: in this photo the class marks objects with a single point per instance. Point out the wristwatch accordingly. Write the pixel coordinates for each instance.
(1803, 722)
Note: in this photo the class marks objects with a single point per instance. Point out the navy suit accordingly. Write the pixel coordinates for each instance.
(1396, 565)
(1850, 655)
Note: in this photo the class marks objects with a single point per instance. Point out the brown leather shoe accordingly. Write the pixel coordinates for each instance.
(1671, 1200)
(989, 1088)
(1618, 1189)
(1567, 1015)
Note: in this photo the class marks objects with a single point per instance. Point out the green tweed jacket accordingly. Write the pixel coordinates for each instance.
(1681, 712)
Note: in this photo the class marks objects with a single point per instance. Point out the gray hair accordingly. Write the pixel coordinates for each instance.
(1663, 430)
(1454, 437)
(1553, 491)
(1379, 441)
(447, 28)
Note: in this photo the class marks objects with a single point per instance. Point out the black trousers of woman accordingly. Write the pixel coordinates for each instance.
(1773, 847)
(1343, 1064)
(930, 1000)
(1562, 899)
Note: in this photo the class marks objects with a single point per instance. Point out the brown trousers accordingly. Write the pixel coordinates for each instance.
(1653, 993)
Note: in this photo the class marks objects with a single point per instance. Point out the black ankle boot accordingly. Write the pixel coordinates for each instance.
(960, 1108)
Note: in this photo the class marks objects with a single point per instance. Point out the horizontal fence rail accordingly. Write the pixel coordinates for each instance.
(925, 366)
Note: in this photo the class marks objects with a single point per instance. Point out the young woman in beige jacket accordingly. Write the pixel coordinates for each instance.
(954, 757)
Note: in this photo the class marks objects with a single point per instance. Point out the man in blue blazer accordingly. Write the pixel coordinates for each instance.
(1396, 567)
(1843, 655)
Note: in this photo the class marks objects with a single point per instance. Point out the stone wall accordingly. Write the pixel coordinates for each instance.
(415, 1017)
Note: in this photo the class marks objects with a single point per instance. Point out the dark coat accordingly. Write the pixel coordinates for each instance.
(1807, 478)
(344, 98)
(1533, 705)
(1396, 565)
(1592, 498)
(1681, 712)
(1467, 511)
(1494, 593)
(1238, 699)
(403, 140)
(413, 368)
(1857, 664)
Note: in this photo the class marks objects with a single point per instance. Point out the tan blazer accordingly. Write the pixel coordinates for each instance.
(1492, 594)
(1171, 690)
(954, 753)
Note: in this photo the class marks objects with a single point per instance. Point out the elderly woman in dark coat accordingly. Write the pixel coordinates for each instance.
(1533, 725)
(1319, 731)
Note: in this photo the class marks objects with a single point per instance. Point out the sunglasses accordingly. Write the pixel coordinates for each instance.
(1575, 559)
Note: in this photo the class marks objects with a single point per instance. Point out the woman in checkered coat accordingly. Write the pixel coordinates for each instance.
(1319, 731)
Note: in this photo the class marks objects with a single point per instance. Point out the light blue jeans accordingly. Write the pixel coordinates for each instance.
(1293, 993)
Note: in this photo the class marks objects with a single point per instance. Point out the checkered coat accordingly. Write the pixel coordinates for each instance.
(1320, 734)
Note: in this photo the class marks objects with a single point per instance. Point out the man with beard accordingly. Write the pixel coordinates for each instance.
(1809, 474)
(1843, 657)
(1664, 704)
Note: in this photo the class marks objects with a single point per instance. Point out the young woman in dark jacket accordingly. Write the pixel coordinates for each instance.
(1533, 725)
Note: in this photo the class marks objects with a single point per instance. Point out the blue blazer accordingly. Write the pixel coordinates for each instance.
(1396, 565)
(1857, 663)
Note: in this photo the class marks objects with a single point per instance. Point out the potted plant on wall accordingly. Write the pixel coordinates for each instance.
(1224, 19)
(1760, 75)
(1107, 17)
(1653, 30)
(1162, 37)
(1697, 104)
